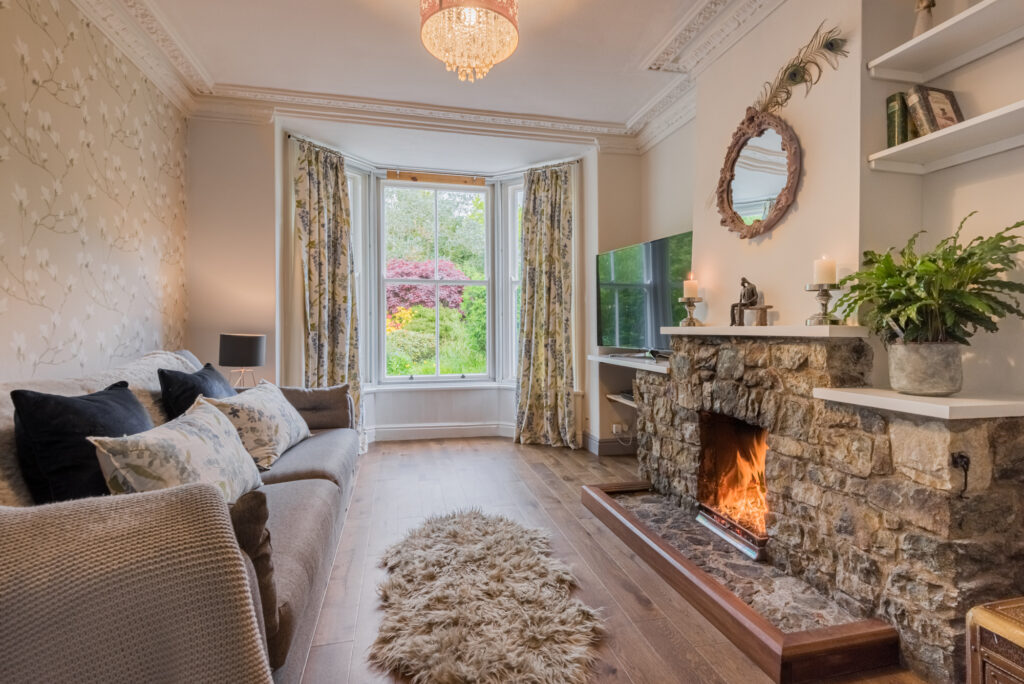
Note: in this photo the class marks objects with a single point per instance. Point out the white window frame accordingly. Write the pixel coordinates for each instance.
(510, 277)
(380, 320)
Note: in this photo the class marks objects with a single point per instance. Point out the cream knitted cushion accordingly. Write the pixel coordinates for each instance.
(201, 445)
(267, 423)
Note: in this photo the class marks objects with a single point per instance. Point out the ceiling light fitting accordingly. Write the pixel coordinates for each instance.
(470, 36)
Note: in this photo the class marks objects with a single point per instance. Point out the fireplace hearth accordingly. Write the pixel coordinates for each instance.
(731, 488)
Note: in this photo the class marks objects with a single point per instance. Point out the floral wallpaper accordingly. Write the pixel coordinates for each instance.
(92, 199)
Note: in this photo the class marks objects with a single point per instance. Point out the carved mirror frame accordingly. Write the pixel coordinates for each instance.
(754, 124)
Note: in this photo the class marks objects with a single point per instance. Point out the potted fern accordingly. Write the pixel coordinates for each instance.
(925, 306)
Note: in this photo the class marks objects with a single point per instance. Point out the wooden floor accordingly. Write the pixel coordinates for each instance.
(654, 636)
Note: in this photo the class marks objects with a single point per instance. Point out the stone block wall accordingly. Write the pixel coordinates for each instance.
(865, 505)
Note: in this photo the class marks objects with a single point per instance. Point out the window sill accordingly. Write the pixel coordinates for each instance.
(464, 385)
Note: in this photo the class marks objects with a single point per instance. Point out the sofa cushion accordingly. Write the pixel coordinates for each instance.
(302, 522)
(249, 518)
(327, 455)
(57, 461)
(199, 446)
(180, 390)
(321, 407)
(142, 381)
(266, 422)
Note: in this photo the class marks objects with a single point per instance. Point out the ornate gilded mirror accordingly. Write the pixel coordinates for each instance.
(761, 172)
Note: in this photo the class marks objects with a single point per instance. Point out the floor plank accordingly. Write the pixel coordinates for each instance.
(653, 635)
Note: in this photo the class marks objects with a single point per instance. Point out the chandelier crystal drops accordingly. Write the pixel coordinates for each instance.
(470, 36)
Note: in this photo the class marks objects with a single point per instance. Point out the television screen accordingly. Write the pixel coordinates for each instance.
(638, 289)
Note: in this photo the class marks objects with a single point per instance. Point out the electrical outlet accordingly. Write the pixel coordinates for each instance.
(618, 428)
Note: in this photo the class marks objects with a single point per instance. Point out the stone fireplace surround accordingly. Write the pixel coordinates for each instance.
(864, 504)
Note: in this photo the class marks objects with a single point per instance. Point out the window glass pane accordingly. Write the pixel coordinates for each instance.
(409, 232)
(604, 267)
(410, 330)
(631, 316)
(629, 265)
(462, 235)
(463, 333)
(517, 248)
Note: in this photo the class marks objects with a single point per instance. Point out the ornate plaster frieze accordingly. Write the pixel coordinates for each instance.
(119, 28)
(159, 30)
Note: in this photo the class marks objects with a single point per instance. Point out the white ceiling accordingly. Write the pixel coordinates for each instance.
(581, 59)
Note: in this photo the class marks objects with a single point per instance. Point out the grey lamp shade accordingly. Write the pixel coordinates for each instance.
(243, 351)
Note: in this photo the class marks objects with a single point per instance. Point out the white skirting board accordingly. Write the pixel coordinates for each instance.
(397, 433)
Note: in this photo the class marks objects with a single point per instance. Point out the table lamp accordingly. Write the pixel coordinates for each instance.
(243, 353)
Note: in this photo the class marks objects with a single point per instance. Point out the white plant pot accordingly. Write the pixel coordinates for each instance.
(933, 369)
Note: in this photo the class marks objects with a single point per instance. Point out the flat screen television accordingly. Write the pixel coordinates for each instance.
(637, 292)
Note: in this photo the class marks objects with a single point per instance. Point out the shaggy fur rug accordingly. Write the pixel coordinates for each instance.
(477, 598)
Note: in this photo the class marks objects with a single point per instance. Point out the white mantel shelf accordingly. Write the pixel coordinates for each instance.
(961, 407)
(816, 331)
(627, 362)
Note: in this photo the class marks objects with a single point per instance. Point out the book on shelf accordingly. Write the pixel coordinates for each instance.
(897, 120)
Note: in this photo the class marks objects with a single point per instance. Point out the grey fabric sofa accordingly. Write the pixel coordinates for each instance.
(58, 589)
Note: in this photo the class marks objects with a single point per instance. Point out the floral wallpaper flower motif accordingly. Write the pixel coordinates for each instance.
(92, 199)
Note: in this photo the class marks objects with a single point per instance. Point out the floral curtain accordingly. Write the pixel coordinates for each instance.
(545, 412)
(323, 230)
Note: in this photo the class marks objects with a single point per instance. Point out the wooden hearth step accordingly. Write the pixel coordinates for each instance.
(803, 656)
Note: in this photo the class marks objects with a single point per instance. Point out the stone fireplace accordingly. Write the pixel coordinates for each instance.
(867, 506)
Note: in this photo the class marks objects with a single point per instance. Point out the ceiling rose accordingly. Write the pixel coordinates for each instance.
(470, 36)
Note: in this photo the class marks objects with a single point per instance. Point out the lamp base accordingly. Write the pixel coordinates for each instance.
(242, 374)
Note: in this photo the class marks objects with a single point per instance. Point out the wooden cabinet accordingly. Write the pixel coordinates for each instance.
(995, 643)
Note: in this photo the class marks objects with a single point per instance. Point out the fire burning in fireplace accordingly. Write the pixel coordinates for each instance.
(731, 482)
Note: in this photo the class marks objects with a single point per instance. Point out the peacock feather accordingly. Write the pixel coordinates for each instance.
(806, 68)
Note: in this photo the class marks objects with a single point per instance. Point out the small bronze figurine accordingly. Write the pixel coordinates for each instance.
(748, 298)
(924, 21)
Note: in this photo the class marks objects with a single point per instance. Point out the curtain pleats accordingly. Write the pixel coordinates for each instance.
(545, 402)
(323, 230)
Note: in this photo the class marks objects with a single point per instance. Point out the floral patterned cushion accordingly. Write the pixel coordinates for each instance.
(201, 445)
(267, 423)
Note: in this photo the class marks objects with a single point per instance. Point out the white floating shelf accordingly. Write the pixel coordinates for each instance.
(769, 331)
(639, 364)
(965, 37)
(960, 407)
(981, 136)
(619, 399)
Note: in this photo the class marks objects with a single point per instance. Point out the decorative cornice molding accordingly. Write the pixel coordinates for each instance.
(710, 29)
(299, 99)
(684, 32)
(675, 116)
(174, 48)
(129, 38)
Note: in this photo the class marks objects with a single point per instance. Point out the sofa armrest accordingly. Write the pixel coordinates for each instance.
(140, 587)
(323, 408)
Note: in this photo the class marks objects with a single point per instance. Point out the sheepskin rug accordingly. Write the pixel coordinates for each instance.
(477, 598)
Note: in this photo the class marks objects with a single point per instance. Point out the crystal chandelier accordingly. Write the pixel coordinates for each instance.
(470, 36)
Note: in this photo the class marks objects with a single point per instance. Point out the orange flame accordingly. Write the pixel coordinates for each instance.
(741, 487)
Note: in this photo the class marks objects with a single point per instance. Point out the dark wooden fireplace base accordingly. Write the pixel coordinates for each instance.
(785, 656)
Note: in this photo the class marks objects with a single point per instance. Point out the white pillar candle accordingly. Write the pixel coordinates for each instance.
(690, 288)
(824, 271)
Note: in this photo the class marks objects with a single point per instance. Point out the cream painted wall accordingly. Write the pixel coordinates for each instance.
(231, 255)
(824, 218)
(611, 219)
(894, 206)
(666, 185)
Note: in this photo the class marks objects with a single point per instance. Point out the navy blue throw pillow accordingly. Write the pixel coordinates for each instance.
(180, 390)
(56, 460)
